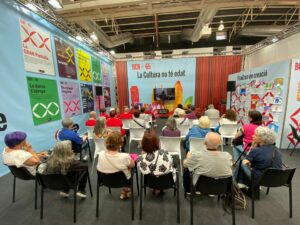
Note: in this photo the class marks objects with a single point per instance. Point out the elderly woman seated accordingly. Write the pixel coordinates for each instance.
(171, 130)
(263, 155)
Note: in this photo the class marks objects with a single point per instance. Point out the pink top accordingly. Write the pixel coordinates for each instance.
(249, 130)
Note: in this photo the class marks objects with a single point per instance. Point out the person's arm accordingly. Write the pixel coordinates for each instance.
(239, 133)
(132, 164)
(246, 162)
(34, 159)
(185, 161)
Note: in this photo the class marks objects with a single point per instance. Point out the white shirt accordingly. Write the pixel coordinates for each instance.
(226, 121)
(18, 158)
(212, 113)
(182, 121)
(108, 163)
(176, 111)
(133, 124)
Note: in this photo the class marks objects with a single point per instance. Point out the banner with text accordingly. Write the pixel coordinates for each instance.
(37, 52)
(44, 100)
(84, 65)
(87, 97)
(105, 72)
(71, 98)
(162, 83)
(65, 59)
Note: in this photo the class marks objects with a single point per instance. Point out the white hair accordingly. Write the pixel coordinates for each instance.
(266, 135)
(66, 122)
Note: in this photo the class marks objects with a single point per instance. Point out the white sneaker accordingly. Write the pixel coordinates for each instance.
(64, 194)
(242, 186)
(211, 196)
(198, 193)
(81, 194)
(85, 158)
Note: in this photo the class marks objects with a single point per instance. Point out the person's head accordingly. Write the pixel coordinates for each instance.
(143, 109)
(103, 110)
(210, 106)
(181, 113)
(198, 113)
(204, 122)
(114, 141)
(180, 106)
(112, 112)
(255, 117)
(136, 113)
(189, 106)
(15, 140)
(100, 125)
(61, 157)
(136, 107)
(150, 142)
(264, 136)
(67, 123)
(126, 109)
(230, 115)
(93, 114)
(192, 107)
(171, 123)
(212, 141)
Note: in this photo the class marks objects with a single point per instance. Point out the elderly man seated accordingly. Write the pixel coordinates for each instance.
(209, 162)
(66, 133)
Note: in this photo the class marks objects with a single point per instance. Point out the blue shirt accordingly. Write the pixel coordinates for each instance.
(261, 158)
(196, 132)
(66, 134)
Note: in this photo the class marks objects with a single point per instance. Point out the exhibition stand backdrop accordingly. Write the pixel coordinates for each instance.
(46, 75)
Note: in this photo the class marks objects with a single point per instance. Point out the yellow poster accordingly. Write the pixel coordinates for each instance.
(84, 65)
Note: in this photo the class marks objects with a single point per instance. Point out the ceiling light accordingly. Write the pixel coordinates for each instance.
(55, 4)
(79, 38)
(94, 37)
(274, 39)
(221, 36)
(112, 52)
(101, 53)
(31, 6)
(221, 26)
(169, 38)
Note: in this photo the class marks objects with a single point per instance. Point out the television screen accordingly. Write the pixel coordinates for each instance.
(164, 94)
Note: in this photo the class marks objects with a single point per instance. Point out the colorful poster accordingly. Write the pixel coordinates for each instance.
(84, 65)
(87, 97)
(98, 99)
(71, 98)
(44, 100)
(106, 93)
(37, 52)
(105, 73)
(65, 59)
(96, 71)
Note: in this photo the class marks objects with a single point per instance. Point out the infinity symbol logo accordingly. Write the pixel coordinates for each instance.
(52, 109)
(31, 36)
(96, 75)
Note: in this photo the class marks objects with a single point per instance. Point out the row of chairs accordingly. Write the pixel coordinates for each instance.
(206, 185)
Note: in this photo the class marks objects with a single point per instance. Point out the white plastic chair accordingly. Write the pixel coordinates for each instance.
(172, 145)
(126, 123)
(228, 131)
(136, 134)
(184, 130)
(99, 146)
(196, 144)
(90, 130)
(214, 122)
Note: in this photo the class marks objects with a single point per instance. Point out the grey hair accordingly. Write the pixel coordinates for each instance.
(171, 123)
(100, 125)
(61, 158)
(266, 135)
(67, 122)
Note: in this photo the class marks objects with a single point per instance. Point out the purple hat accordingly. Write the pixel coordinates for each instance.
(14, 138)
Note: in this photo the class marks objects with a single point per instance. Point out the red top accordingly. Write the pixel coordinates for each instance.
(104, 115)
(115, 122)
(90, 122)
(125, 116)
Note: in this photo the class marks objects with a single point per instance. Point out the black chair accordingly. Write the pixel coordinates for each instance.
(162, 182)
(274, 178)
(296, 137)
(60, 182)
(23, 174)
(114, 180)
(86, 145)
(212, 186)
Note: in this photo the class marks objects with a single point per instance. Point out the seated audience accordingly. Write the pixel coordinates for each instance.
(228, 118)
(113, 121)
(144, 115)
(19, 152)
(263, 155)
(192, 114)
(100, 130)
(170, 130)
(211, 112)
(177, 110)
(182, 120)
(137, 122)
(247, 131)
(126, 115)
(92, 120)
(210, 162)
(103, 113)
(112, 161)
(198, 131)
(154, 161)
(62, 161)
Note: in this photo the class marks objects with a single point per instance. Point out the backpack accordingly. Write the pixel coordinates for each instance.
(239, 200)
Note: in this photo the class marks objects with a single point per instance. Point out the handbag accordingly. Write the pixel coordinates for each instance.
(238, 140)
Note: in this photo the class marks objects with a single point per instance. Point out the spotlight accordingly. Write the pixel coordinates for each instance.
(274, 39)
(79, 38)
(112, 52)
(221, 26)
(94, 37)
